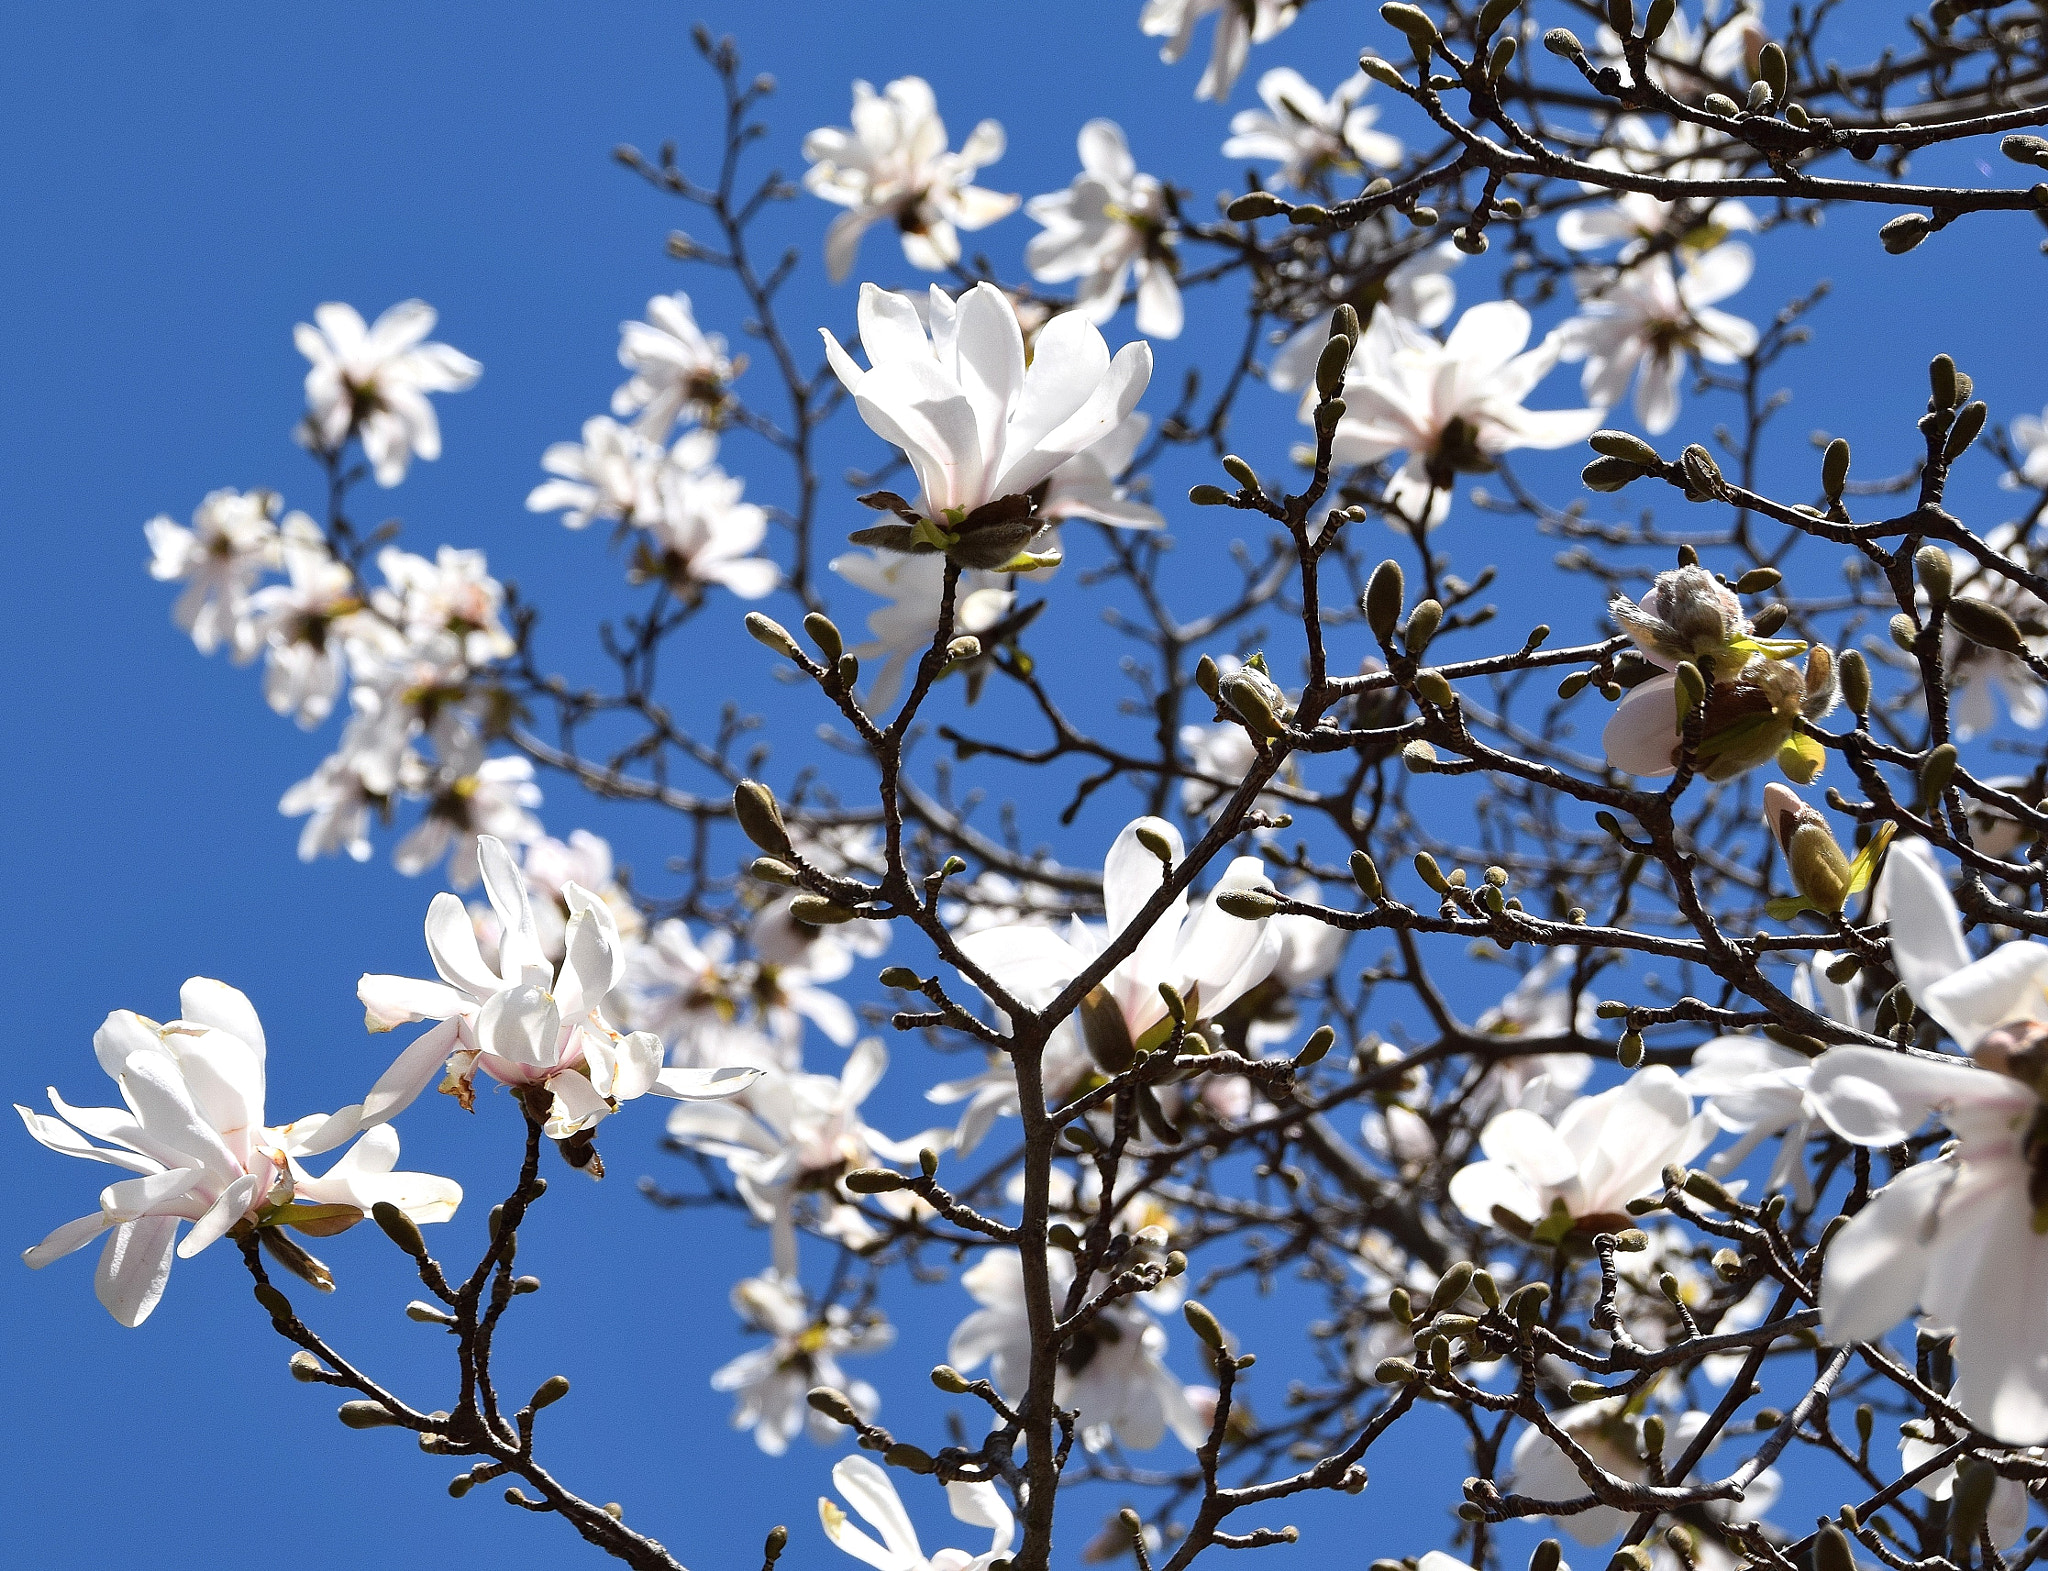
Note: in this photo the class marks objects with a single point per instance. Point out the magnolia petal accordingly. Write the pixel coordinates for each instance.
(225, 1212)
(410, 1073)
(2009, 984)
(1877, 1265)
(134, 1267)
(225, 1008)
(1874, 1097)
(697, 1085)
(68, 1239)
(392, 1001)
(1926, 932)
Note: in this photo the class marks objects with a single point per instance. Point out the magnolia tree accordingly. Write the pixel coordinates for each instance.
(1746, 1174)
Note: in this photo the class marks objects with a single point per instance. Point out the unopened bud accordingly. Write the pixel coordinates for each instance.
(1564, 43)
(1417, 757)
(1367, 876)
(1984, 623)
(1905, 232)
(1203, 1323)
(1420, 29)
(1772, 70)
(775, 1543)
(766, 630)
(1854, 676)
(1549, 1555)
(1319, 1043)
(1969, 423)
(1936, 572)
(1208, 496)
(1630, 1050)
(551, 1391)
(401, 1229)
(910, 1458)
(1255, 204)
(1831, 1550)
(1702, 474)
(760, 820)
(1624, 445)
(1432, 875)
(1382, 72)
(819, 911)
(1937, 772)
(898, 977)
(1423, 622)
(1247, 905)
(950, 1380)
(1383, 599)
(965, 647)
(874, 1181)
(365, 1415)
(1330, 367)
(1721, 104)
(1435, 688)
(1834, 468)
(1607, 475)
(305, 1367)
(1451, 1286)
(834, 1405)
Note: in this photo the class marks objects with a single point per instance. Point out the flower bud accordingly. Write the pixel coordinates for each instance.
(1247, 905)
(1203, 1323)
(365, 1415)
(950, 1380)
(874, 1181)
(1630, 1050)
(1608, 475)
(1257, 204)
(965, 647)
(1621, 16)
(1549, 1555)
(1937, 772)
(1624, 445)
(401, 1229)
(1772, 71)
(1904, 630)
(1721, 104)
(1432, 875)
(1831, 1550)
(910, 1458)
(1207, 679)
(825, 634)
(1702, 474)
(1493, 13)
(1435, 688)
(1423, 622)
(1936, 572)
(1256, 699)
(1905, 232)
(773, 1546)
(1564, 43)
(1208, 496)
(1319, 1043)
(1382, 72)
(1395, 1372)
(1383, 597)
(760, 820)
(1417, 757)
(1450, 1287)
(1153, 840)
(305, 1367)
(819, 911)
(1969, 423)
(1367, 876)
(834, 1405)
(1498, 59)
(1420, 29)
(1854, 676)
(1330, 366)
(766, 630)
(1834, 468)
(771, 870)
(1240, 471)
(1309, 215)
(1986, 624)
(551, 1391)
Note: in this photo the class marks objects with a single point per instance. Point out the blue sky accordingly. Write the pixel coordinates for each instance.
(187, 182)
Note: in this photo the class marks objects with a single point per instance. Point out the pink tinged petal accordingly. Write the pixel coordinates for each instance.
(66, 1141)
(224, 1077)
(1525, 1142)
(68, 1239)
(137, 1197)
(175, 1131)
(225, 1008)
(1477, 1188)
(577, 1105)
(522, 1026)
(410, 1073)
(1877, 1265)
(134, 1267)
(1874, 1097)
(451, 944)
(868, 1489)
(1643, 733)
(393, 1001)
(2009, 984)
(224, 1213)
(2001, 1339)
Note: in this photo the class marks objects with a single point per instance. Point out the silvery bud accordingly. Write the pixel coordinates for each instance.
(1417, 757)
(1760, 97)
(1256, 699)
(825, 634)
(1367, 877)
(1423, 622)
(2024, 149)
(1905, 232)
(305, 1367)
(1904, 630)
(834, 1405)
(1624, 445)
(1607, 475)
(1772, 70)
(1384, 593)
(1498, 59)
(1420, 29)
(1834, 468)
(760, 820)
(770, 870)
(1986, 624)
(950, 1380)
(1207, 678)
(1702, 474)
(1240, 471)
(1382, 72)
(819, 911)
(1969, 423)
(1208, 496)
(365, 1415)
(1435, 688)
(1721, 104)
(1564, 43)
(1203, 1323)
(1247, 905)
(1937, 573)
(1257, 204)
(766, 630)
(965, 647)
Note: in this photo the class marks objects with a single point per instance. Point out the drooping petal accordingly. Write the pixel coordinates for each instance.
(134, 1267)
(392, 1001)
(2009, 984)
(870, 1492)
(1877, 1265)
(410, 1073)
(67, 1239)
(1926, 933)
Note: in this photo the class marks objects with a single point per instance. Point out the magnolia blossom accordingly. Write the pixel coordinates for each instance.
(1309, 135)
(1451, 407)
(869, 1490)
(1977, 674)
(524, 1023)
(1542, 1004)
(893, 164)
(336, 801)
(771, 1382)
(452, 596)
(1239, 25)
(233, 541)
(705, 1005)
(372, 383)
(1638, 219)
(1747, 717)
(796, 1132)
(192, 1132)
(1579, 1175)
(476, 796)
(1646, 319)
(612, 474)
(1207, 957)
(978, 426)
(1088, 485)
(701, 533)
(304, 624)
(680, 372)
(2006, 1515)
(1111, 222)
(903, 629)
(1690, 60)
(1954, 1237)
(1114, 1373)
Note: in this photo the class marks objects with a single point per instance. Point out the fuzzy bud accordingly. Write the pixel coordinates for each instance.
(834, 1405)
(1564, 43)
(1203, 1323)
(874, 1181)
(1937, 772)
(401, 1229)
(1256, 699)
(1854, 676)
(766, 630)
(1905, 232)
(1772, 70)
(1986, 624)
(1624, 445)
(1834, 468)
(1702, 474)
(1423, 622)
(1383, 599)
(1208, 496)
(1831, 1550)
(1936, 572)
(1247, 905)
(1331, 365)
(1969, 424)
(365, 1415)
(1366, 875)
(1318, 1045)
(1382, 72)
(1411, 20)
(1451, 1286)
(819, 911)
(1607, 475)
(760, 820)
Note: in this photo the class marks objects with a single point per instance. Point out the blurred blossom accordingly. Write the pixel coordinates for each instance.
(680, 372)
(372, 383)
(1308, 135)
(1111, 223)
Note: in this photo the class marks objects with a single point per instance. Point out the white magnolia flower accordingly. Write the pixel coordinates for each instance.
(772, 1382)
(892, 164)
(869, 1490)
(1451, 407)
(1646, 319)
(1955, 1237)
(550, 866)
(1978, 675)
(700, 532)
(903, 629)
(1111, 222)
(796, 1132)
(611, 474)
(523, 1023)
(680, 372)
(702, 1003)
(1239, 25)
(1088, 484)
(1755, 1088)
(451, 597)
(2030, 436)
(1309, 135)
(304, 625)
(993, 1093)
(336, 800)
(1636, 219)
(1209, 958)
(1580, 1175)
(192, 1132)
(1419, 290)
(1114, 1374)
(472, 796)
(1540, 1005)
(372, 383)
(976, 423)
(233, 541)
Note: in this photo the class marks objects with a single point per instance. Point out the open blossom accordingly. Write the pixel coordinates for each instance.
(1636, 219)
(871, 1492)
(1419, 290)
(2005, 1517)
(451, 596)
(892, 164)
(981, 429)
(1239, 25)
(372, 383)
(1309, 135)
(611, 474)
(550, 867)
(1089, 485)
(472, 796)
(680, 372)
(233, 541)
(1209, 958)
(523, 1022)
(915, 586)
(2030, 436)
(701, 533)
(304, 625)
(1642, 323)
(770, 1383)
(1956, 1237)
(1451, 407)
(1579, 1175)
(1748, 718)
(193, 1133)
(795, 1133)
(1110, 223)
(1114, 1374)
